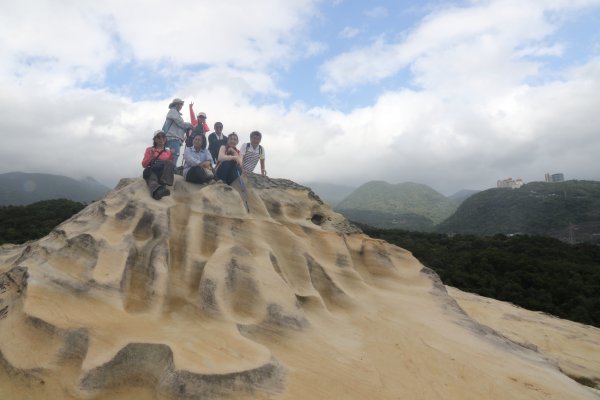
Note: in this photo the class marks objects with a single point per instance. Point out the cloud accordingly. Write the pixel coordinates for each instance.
(476, 110)
(348, 32)
(215, 53)
(419, 136)
(213, 32)
(53, 43)
(75, 44)
(502, 28)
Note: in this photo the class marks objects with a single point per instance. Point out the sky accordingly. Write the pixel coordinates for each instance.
(451, 94)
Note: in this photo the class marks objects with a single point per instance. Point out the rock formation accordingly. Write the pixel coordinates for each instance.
(192, 297)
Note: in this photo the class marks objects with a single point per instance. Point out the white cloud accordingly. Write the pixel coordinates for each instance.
(66, 43)
(474, 119)
(53, 43)
(251, 34)
(498, 28)
(348, 32)
(51, 124)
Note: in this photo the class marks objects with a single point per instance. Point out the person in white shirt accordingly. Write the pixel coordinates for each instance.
(253, 152)
(198, 162)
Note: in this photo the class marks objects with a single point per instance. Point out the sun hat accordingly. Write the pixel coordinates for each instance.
(176, 100)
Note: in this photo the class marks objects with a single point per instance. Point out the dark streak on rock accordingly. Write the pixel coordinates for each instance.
(143, 364)
(437, 281)
(143, 229)
(276, 315)
(75, 345)
(42, 325)
(208, 289)
(232, 271)
(341, 260)
(127, 212)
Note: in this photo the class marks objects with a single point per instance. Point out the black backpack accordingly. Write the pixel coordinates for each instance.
(198, 130)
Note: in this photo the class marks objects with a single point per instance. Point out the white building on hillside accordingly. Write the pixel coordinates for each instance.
(510, 183)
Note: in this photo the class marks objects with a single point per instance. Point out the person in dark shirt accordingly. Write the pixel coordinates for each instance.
(216, 140)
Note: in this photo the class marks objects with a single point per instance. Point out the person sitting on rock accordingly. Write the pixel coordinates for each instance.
(216, 140)
(252, 152)
(158, 166)
(198, 162)
(230, 160)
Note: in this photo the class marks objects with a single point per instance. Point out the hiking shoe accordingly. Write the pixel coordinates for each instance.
(160, 192)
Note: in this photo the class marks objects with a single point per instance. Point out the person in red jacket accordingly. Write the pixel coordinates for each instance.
(199, 125)
(158, 166)
(199, 119)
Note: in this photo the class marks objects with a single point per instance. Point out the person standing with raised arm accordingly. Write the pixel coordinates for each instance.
(199, 124)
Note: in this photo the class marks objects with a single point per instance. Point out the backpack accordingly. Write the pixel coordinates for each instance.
(199, 129)
(260, 149)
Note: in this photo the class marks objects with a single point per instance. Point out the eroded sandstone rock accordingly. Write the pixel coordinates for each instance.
(193, 297)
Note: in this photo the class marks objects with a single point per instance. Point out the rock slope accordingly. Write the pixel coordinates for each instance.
(192, 297)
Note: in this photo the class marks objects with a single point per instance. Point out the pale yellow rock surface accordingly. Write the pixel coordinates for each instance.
(192, 297)
(574, 347)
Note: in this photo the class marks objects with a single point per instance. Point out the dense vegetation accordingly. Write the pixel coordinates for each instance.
(566, 210)
(380, 219)
(400, 199)
(534, 272)
(19, 224)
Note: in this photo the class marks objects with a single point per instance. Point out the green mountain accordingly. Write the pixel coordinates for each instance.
(20, 188)
(403, 206)
(565, 210)
(462, 195)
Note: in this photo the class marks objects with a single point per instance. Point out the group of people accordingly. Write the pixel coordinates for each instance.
(205, 160)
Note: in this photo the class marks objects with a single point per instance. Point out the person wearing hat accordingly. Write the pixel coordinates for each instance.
(175, 128)
(199, 124)
(199, 119)
(158, 167)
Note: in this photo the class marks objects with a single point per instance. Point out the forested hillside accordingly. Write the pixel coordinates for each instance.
(568, 210)
(19, 224)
